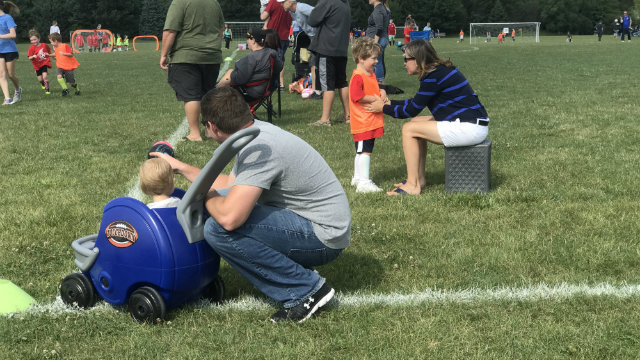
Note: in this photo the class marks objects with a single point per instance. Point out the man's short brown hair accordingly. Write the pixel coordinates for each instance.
(226, 108)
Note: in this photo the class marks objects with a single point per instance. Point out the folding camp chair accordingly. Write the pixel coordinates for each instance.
(266, 99)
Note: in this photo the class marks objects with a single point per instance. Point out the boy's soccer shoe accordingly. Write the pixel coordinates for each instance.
(17, 95)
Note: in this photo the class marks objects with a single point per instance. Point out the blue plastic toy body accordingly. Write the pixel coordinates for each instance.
(138, 246)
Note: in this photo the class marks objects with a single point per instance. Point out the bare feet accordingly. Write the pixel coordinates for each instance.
(188, 138)
(405, 189)
(422, 184)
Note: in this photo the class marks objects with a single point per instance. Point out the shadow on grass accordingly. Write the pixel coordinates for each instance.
(349, 272)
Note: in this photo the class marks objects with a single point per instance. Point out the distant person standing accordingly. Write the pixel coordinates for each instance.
(228, 35)
(332, 19)
(599, 30)
(279, 20)
(392, 31)
(513, 34)
(616, 28)
(8, 52)
(54, 28)
(626, 22)
(461, 36)
(427, 30)
(408, 28)
(193, 70)
(377, 27)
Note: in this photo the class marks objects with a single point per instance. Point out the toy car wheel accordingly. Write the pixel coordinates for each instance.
(215, 290)
(76, 289)
(147, 305)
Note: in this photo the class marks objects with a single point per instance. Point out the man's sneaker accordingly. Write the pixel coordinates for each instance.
(65, 92)
(367, 186)
(7, 102)
(17, 95)
(315, 96)
(304, 310)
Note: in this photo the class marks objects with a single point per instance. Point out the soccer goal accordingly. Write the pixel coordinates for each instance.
(239, 30)
(488, 32)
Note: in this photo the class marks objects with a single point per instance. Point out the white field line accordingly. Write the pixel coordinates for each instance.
(533, 293)
(181, 131)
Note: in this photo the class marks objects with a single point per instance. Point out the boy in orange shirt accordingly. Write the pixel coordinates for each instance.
(365, 126)
(65, 62)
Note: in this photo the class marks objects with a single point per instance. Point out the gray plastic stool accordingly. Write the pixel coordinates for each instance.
(468, 168)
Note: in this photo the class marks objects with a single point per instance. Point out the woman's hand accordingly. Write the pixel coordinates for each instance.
(375, 106)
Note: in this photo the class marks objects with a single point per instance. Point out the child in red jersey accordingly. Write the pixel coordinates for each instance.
(79, 40)
(65, 62)
(38, 53)
(365, 126)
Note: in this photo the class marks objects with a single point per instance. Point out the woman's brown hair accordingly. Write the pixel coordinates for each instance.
(426, 57)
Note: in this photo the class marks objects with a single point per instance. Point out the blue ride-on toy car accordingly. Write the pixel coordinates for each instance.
(152, 259)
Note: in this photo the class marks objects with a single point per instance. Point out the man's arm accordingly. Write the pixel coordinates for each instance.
(168, 38)
(233, 210)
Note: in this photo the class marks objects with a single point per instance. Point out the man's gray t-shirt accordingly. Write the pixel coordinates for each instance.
(294, 176)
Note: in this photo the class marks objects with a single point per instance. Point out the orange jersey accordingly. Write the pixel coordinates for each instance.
(65, 62)
(361, 120)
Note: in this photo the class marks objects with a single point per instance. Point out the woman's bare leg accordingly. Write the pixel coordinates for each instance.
(415, 134)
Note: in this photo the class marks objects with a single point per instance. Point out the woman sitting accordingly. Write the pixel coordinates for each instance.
(253, 72)
(458, 118)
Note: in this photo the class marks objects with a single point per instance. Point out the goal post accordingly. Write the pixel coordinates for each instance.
(488, 32)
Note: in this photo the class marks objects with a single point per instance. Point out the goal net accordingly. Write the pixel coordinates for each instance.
(239, 30)
(488, 32)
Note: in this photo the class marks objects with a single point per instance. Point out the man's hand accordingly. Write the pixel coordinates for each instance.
(164, 62)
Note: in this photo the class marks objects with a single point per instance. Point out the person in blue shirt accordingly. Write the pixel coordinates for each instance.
(427, 29)
(626, 21)
(457, 116)
(8, 52)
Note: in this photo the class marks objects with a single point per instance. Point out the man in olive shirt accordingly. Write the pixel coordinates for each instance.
(191, 51)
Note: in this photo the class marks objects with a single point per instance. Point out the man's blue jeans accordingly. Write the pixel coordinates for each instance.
(275, 249)
(380, 67)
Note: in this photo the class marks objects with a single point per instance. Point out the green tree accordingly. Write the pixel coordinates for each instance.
(152, 18)
(449, 15)
(498, 13)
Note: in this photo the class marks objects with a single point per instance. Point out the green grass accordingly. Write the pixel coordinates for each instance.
(563, 208)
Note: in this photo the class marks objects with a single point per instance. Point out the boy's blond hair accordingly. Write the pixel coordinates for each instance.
(55, 37)
(364, 48)
(156, 177)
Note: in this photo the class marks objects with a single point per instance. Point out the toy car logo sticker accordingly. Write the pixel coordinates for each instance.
(121, 234)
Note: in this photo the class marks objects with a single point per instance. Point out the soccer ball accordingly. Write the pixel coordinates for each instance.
(161, 147)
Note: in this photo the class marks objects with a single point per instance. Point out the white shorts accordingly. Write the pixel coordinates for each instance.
(456, 133)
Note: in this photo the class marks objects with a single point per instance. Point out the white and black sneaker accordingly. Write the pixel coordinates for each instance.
(17, 95)
(304, 310)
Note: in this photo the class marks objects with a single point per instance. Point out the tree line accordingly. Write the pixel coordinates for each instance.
(146, 17)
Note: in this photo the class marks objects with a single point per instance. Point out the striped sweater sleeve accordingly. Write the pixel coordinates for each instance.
(408, 108)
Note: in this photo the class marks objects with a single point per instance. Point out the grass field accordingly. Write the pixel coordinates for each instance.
(563, 211)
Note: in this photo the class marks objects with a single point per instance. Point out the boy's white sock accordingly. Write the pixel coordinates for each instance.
(354, 180)
(363, 166)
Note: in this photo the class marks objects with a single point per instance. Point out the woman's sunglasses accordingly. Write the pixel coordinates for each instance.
(409, 59)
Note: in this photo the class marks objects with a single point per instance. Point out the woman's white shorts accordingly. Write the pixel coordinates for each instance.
(456, 133)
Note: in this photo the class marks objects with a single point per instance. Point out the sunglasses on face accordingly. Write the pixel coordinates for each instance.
(250, 37)
(408, 59)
